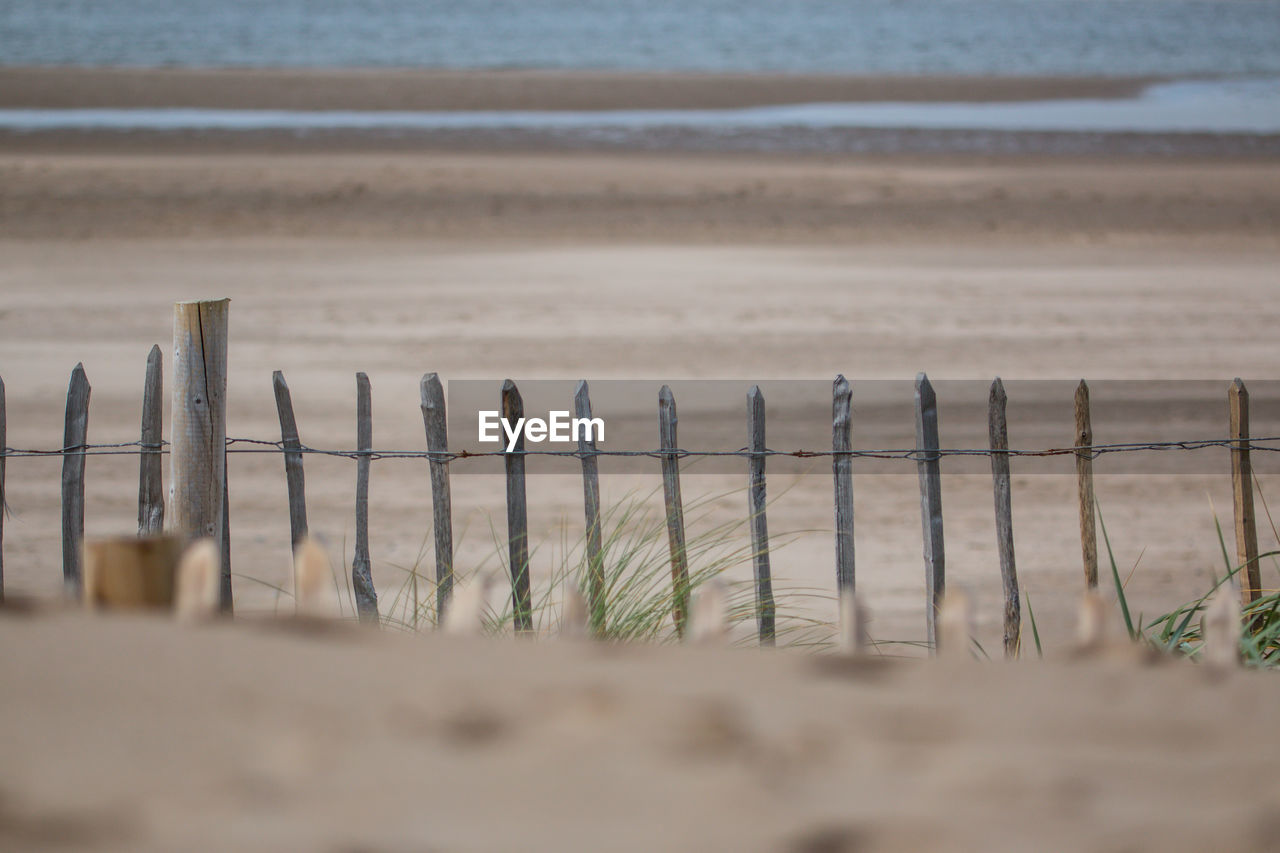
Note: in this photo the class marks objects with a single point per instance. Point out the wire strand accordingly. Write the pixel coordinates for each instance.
(255, 445)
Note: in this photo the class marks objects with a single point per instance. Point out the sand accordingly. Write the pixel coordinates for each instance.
(356, 255)
(256, 738)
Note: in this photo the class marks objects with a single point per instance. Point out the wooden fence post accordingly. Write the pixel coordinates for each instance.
(225, 601)
(667, 422)
(999, 429)
(150, 463)
(361, 571)
(75, 438)
(930, 473)
(436, 424)
(1242, 486)
(759, 523)
(4, 450)
(517, 513)
(842, 472)
(293, 473)
(198, 444)
(591, 506)
(1084, 486)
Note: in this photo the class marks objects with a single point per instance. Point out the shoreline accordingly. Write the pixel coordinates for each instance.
(536, 90)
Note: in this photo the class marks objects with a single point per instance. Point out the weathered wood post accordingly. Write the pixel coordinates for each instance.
(436, 424)
(1242, 487)
(842, 472)
(999, 432)
(929, 471)
(293, 473)
(517, 513)
(4, 451)
(674, 505)
(225, 602)
(198, 444)
(1084, 486)
(361, 570)
(591, 506)
(150, 461)
(759, 523)
(75, 438)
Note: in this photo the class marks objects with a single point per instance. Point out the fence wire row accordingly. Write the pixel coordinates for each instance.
(255, 445)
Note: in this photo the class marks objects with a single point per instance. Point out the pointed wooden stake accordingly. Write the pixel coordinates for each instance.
(361, 571)
(150, 461)
(75, 438)
(591, 505)
(1084, 486)
(842, 472)
(293, 473)
(436, 424)
(759, 523)
(999, 433)
(517, 513)
(929, 471)
(667, 422)
(1242, 486)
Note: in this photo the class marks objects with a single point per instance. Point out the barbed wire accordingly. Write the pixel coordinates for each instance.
(914, 454)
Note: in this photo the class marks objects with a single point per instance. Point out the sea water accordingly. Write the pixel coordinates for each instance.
(1174, 38)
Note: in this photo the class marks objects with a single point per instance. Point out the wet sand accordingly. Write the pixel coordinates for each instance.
(328, 89)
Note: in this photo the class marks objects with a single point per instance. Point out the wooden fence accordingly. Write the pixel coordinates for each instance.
(198, 489)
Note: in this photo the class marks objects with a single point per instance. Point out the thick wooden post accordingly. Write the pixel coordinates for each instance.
(198, 442)
(361, 571)
(75, 438)
(999, 433)
(667, 422)
(1084, 486)
(930, 473)
(1242, 485)
(842, 472)
(759, 523)
(436, 424)
(293, 473)
(150, 462)
(591, 505)
(517, 513)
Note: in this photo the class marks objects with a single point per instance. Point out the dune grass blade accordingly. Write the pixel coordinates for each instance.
(1115, 574)
(1035, 631)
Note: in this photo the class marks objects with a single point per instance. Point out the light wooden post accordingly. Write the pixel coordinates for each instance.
(198, 445)
(436, 424)
(517, 513)
(293, 473)
(591, 507)
(1084, 486)
(361, 571)
(150, 462)
(667, 422)
(759, 523)
(929, 471)
(842, 472)
(999, 433)
(1242, 486)
(75, 438)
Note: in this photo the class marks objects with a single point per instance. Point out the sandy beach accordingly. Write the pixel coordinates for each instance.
(348, 253)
